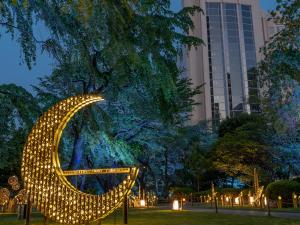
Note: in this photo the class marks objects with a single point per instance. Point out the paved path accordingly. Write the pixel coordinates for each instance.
(291, 215)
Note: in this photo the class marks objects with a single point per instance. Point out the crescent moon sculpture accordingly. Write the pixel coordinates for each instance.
(45, 183)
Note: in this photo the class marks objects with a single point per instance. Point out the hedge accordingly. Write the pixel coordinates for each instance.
(181, 190)
(283, 188)
(230, 191)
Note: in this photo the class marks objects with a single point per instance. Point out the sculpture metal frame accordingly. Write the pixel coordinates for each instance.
(47, 187)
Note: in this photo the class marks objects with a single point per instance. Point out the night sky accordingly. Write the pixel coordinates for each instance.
(13, 70)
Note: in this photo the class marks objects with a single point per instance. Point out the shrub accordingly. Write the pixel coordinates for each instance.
(182, 190)
(297, 179)
(284, 188)
(230, 191)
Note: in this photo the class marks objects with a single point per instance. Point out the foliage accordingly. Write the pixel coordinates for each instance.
(280, 69)
(297, 179)
(243, 146)
(279, 74)
(230, 191)
(126, 51)
(112, 45)
(230, 125)
(283, 188)
(181, 190)
(282, 52)
(18, 112)
(194, 143)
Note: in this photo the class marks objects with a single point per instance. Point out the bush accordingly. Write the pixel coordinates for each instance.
(230, 191)
(181, 190)
(297, 179)
(224, 191)
(284, 188)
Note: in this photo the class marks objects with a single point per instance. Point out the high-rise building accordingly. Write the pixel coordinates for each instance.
(233, 32)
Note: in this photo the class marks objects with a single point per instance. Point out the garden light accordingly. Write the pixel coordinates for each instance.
(176, 205)
(251, 199)
(237, 200)
(143, 203)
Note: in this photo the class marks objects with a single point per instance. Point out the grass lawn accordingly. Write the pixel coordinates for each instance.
(167, 217)
(208, 206)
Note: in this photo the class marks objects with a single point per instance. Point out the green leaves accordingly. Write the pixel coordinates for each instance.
(127, 51)
(283, 188)
(115, 42)
(18, 112)
(243, 146)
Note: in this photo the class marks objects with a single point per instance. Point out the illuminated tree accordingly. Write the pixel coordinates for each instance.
(126, 51)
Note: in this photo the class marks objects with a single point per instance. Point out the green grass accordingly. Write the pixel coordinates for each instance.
(167, 217)
(208, 206)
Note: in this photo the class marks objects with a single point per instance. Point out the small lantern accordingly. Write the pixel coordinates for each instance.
(176, 205)
(237, 200)
(143, 203)
(227, 199)
(266, 203)
(295, 196)
(251, 199)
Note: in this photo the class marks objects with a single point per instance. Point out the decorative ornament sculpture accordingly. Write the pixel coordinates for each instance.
(45, 182)
(16, 187)
(21, 197)
(13, 180)
(4, 196)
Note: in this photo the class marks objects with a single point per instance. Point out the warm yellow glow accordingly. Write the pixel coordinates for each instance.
(96, 171)
(237, 200)
(176, 205)
(295, 196)
(251, 199)
(227, 199)
(143, 203)
(265, 200)
(47, 187)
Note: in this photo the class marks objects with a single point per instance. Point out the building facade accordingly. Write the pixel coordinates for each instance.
(233, 32)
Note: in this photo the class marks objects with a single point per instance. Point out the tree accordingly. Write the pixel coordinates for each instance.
(125, 50)
(243, 147)
(282, 52)
(187, 153)
(280, 69)
(279, 77)
(18, 112)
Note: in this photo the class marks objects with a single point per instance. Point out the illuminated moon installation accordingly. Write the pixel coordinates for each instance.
(45, 183)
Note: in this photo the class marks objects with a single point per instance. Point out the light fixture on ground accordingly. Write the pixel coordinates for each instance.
(143, 203)
(237, 200)
(176, 205)
(251, 199)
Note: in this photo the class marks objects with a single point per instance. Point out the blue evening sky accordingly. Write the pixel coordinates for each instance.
(13, 70)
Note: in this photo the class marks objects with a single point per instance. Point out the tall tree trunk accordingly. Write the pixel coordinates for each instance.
(77, 157)
(142, 184)
(90, 164)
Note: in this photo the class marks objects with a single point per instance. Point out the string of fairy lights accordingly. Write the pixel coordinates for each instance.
(45, 182)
